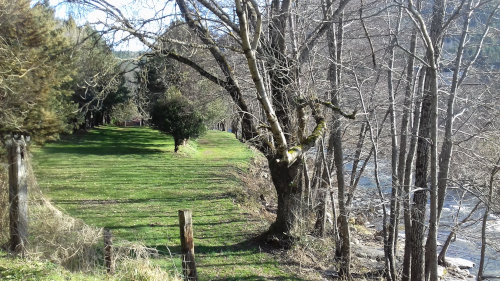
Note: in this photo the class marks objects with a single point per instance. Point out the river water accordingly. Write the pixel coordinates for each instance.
(468, 239)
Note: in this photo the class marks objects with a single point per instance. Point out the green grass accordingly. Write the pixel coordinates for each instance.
(129, 180)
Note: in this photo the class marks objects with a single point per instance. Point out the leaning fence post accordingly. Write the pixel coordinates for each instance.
(187, 245)
(18, 193)
(108, 252)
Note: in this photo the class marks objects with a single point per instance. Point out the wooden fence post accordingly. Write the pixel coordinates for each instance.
(18, 194)
(187, 245)
(108, 252)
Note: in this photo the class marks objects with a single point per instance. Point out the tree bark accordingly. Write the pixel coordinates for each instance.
(394, 205)
(345, 250)
(420, 196)
(387, 245)
(431, 252)
(335, 45)
(406, 274)
(433, 54)
(325, 186)
(274, 88)
(447, 146)
(289, 193)
(427, 148)
(403, 145)
(483, 244)
(357, 155)
(177, 142)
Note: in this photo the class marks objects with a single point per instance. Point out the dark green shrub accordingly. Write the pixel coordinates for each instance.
(176, 116)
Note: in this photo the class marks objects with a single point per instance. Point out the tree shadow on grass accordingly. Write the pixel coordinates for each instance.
(248, 247)
(104, 150)
(110, 141)
(179, 198)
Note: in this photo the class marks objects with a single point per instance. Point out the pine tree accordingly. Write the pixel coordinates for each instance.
(34, 60)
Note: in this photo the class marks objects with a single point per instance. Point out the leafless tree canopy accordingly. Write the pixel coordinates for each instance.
(411, 85)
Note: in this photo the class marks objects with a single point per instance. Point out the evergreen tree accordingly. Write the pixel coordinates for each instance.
(175, 115)
(98, 83)
(35, 61)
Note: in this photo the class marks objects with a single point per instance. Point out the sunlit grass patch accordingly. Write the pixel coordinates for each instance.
(130, 181)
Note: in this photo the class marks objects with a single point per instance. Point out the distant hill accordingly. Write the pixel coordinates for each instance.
(127, 54)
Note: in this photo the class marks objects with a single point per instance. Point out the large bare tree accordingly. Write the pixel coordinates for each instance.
(264, 55)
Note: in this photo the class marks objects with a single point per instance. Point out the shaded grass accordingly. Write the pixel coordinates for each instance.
(129, 180)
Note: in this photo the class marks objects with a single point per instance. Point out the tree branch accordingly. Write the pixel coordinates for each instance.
(195, 66)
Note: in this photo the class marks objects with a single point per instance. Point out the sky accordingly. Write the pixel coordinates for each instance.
(132, 9)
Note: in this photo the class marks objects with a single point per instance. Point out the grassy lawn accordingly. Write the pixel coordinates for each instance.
(129, 180)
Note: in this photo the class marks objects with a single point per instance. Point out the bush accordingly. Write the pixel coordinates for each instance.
(175, 115)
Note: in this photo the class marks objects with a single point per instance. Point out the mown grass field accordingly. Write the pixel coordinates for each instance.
(130, 181)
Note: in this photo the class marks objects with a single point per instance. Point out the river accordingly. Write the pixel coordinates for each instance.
(468, 240)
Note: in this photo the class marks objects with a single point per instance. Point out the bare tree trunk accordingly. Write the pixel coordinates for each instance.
(325, 186)
(289, 193)
(387, 245)
(338, 156)
(459, 74)
(420, 196)
(403, 147)
(18, 194)
(388, 250)
(283, 165)
(235, 125)
(408, 179)
(307, 187)
(345, 250)
(365, 162)
(433, 59)
(357, 155)
(483, 244)
(317, 177)
(335, 45)
(427, 148)
(431, 253)
(447, 146)
(177, 143)
(442, 254)
(394, 205)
